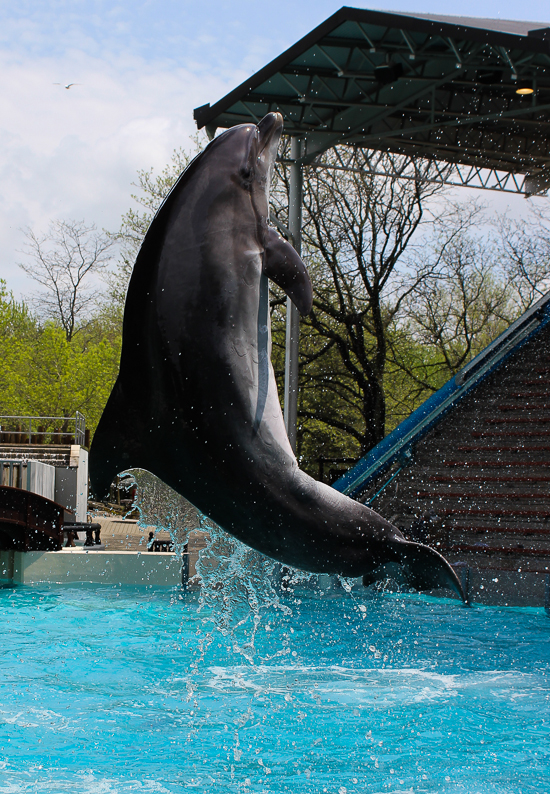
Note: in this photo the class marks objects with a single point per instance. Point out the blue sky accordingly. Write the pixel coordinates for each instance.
(142, 68)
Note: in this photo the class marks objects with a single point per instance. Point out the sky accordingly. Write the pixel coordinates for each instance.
(140, 69)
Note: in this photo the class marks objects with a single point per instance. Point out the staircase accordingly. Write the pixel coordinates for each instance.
(469, 471)
(478, 485)
(53, 454)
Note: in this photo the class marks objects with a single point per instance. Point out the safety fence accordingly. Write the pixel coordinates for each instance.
(35, 430)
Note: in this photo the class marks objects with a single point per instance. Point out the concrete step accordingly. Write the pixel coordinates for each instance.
(504, 535)
(511, 433)
(55, 455)
(535, 407)
(450, 492)
(508, 479)
(481, 529)
(495, 465)
(477, 512)
(518, 551)
(529, 395)
(496, 446)
(534, 419)
(495, 564)
(502, 497)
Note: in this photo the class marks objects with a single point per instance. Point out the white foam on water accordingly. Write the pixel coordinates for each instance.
(43, 781)
(35, 718)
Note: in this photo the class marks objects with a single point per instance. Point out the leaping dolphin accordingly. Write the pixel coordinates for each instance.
(195, 401)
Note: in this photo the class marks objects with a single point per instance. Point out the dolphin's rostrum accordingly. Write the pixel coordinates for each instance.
(196, 403)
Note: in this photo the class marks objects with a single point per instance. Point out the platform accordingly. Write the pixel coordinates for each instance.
(97, 567)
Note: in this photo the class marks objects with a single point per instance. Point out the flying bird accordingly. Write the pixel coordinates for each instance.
(67, 86)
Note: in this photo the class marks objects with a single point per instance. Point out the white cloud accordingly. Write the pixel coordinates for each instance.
(74, 153)
(142, 68)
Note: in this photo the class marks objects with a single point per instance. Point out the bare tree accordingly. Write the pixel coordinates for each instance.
(458, 308)
(357, 227)
(525, 254)
(64, 262)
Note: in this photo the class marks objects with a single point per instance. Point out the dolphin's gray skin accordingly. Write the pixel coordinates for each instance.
(196, 403)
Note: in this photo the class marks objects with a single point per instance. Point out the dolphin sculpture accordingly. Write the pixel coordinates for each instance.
(196, 402)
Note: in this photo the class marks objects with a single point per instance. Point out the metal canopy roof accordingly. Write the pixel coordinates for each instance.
(428, 86)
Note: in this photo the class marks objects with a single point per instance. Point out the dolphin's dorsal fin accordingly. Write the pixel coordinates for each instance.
(283, 266)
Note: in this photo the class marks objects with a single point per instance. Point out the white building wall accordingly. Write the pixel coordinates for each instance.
(81, 484)
(67, 485)
(71, 484)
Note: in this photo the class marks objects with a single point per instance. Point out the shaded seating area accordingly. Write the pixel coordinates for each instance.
(29, 522)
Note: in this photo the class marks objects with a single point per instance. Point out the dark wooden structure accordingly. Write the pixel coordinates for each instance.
(477, 484)
(29, 522)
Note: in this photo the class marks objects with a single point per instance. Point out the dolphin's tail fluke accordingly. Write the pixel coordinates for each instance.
(421, 568)
(114, 447)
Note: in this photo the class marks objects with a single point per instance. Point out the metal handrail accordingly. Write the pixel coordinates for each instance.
(400, 441)
(27, 427)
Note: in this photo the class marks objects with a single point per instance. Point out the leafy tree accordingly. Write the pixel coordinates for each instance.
(42, 373)
(462, 304)
(17, 334)
(69, 376)
(525, 254)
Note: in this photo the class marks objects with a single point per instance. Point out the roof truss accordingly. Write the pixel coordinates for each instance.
(412, 86)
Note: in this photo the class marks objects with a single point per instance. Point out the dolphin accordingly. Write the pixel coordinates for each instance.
(196, 402)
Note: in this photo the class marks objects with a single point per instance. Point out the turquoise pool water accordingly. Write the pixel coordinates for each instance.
(109, 690)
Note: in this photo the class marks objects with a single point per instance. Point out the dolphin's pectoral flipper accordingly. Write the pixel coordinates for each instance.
(284, 266)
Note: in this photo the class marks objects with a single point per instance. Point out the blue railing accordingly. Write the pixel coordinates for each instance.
(397, 446)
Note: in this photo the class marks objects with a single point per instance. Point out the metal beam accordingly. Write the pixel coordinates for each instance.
(449, 174)
(292, 315)
(457, 122)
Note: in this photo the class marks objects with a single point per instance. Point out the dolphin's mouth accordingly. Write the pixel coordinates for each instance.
(269, 133)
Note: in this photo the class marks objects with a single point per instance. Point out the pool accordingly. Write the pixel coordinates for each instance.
(106, 689)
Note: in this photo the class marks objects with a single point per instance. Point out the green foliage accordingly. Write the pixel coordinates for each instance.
(44, 374)
(394, 316)
(402, 301)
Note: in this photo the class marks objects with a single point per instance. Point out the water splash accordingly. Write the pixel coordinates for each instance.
(163, 508)
(237, 585)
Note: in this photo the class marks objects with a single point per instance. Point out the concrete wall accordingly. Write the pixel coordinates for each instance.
(40, 479)
(508, 588)
(81, 482)
(98, 567)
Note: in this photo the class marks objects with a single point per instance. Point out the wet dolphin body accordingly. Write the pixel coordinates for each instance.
(196, 403)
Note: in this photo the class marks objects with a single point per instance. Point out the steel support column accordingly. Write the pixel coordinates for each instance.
(292, 314)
